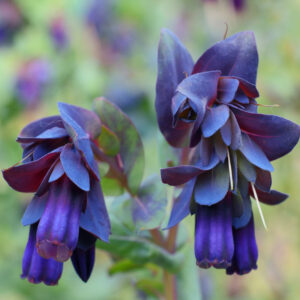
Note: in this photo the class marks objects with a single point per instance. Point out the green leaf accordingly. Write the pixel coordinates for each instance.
(150, 286)
(141, 251)
(111, 187)
(103, 168)
(148, 209)
(124, 265)
(131, 147)
(108, 142)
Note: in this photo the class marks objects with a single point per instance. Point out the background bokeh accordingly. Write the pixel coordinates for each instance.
(77, 50)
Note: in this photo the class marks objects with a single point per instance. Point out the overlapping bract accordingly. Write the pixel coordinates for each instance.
(67, 213)
(210, 105)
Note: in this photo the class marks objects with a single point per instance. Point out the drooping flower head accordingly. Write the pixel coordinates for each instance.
(67, 213)
(32, 81)
(211, 106)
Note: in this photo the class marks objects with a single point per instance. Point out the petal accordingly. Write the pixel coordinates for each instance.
(34, 210)
(212, 186)
(220, 148)
(37, 127)
(179, 175)
(227, 89)
(246, 168)
(276, 136)
(243, 220)
(235, 56)
(213, 235)
(236, 138)
(57, 172)
(58, 229)
(36, 268)
(83, 262)
(26, 178)
(272, 198)
(74, 167)
(214, 119)
(226, 132)
(245, 250)
(174, 61)
(263, 180)
(49, 134)
(85, 240)
(254, 153)
(86, 119)
(181, 206)
(95, 218)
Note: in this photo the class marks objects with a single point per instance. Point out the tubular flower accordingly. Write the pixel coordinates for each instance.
(67, 212)
(211, 106)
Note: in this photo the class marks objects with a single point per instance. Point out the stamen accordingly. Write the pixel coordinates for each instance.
(258, 206)
(186, 74)
(23, 159)
(266, 105)
(230, 170)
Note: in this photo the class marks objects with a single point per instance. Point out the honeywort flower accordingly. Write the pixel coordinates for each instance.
(211, 105)
(67, 212)
(239, 5)
(58, 33)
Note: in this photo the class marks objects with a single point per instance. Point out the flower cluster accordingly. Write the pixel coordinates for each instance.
(67, 213)
(210, 107)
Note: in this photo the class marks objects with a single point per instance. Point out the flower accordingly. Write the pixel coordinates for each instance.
(32, 80)
(59, 33)
(211, 106)
(238, 5)
(67, 212)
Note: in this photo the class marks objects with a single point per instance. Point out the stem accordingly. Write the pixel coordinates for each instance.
(170, 286)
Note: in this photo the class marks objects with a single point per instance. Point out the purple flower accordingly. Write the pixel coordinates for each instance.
(239, 5)
(32, 80)
(59, 33)
(11, 21)
(211, 106)
(67, 212)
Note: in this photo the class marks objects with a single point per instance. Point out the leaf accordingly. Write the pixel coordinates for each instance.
(226, 89)
(246, 168)
(124, 265)
(131, 147)
(271, 198)
(141, 251)
(49, 134)
(235, 56)
(108, 141)
(148, 209)
(174, 62)
(243, 220)
(111, 186)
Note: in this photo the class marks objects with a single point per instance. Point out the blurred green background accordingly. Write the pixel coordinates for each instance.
(77, 50)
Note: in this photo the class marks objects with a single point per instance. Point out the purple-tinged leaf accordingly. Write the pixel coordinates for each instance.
(226, 132)
(214, 160)
(49, 134)
(131, 147)
(26, 178)
(181, 206)
(148, 209)
(179, 175)
(246, 168)
(243, 186)
(200, 89)
(214, 119)
(35, 128)
(254, 153)
(271, 198)
(86, 119)
(212, 186)
(263, 180)
(34, 210)
(248, 88)
(237, 205)
(235, 56)
(241, 97)
(220, 147)
(86, 240)
(205, 150)
(227, 89)
(276, 136)
(74, 167)
(174, 63)
(243, 220)
(108, 142)
(58, 172)
(95, 218)
(235, 133)
(234, 166)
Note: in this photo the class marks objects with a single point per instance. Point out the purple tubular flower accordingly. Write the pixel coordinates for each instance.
(68, 207)
(245, 250)
(36, 268)
(58, 33)
(213, 235)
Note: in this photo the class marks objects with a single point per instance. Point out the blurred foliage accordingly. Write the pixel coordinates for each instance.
(89, 66)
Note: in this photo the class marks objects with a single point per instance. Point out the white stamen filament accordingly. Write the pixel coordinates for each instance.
(230, 170)
(258, 206)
